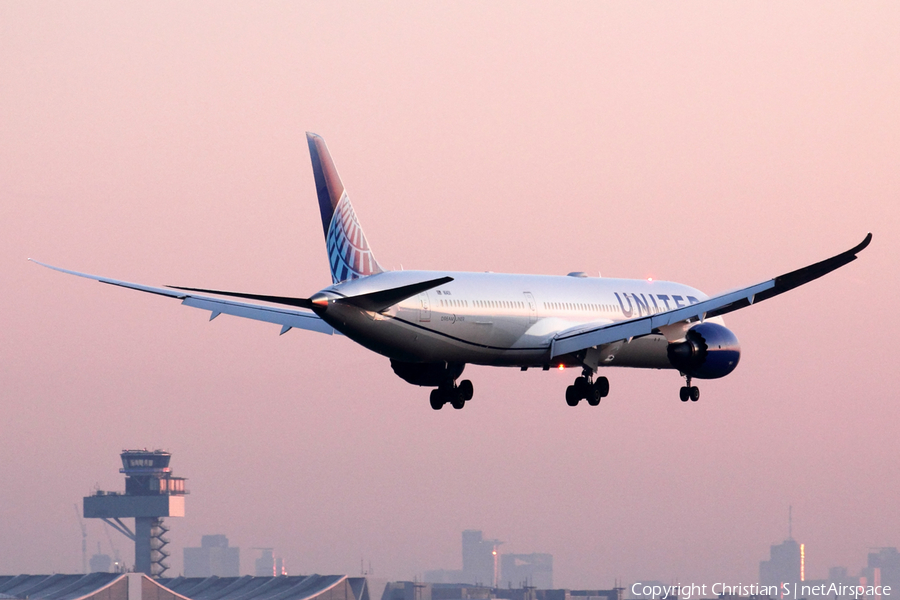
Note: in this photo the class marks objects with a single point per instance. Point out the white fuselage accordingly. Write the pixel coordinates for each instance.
(507, 320)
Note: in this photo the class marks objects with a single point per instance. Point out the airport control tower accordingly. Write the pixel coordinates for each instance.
(150, 494)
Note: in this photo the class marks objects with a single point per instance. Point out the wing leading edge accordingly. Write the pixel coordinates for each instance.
(287, 318)
(577, 339)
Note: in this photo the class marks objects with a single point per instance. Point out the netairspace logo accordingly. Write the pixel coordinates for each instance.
(786, 591)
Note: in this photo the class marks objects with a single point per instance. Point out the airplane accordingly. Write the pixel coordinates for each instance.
(432, 324)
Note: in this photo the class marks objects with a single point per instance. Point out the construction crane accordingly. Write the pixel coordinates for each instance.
(83, 541)
(117, 560)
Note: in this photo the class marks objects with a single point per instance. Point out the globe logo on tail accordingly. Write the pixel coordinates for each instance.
(348, 251)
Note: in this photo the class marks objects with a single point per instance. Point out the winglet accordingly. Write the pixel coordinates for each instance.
(789, 281)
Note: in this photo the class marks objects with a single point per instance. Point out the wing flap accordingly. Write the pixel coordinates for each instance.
(285, 318)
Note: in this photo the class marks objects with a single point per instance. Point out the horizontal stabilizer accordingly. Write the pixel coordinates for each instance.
(373, 301)
(286, 300)
(383, 299)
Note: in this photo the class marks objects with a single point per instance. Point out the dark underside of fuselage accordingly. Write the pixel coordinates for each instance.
(409, 341)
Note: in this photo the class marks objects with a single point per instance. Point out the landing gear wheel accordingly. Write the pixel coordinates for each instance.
(694, 393)
(466, 390)
(684, 393)
(457, 403)
(583, 387)
(437, 399)
(594, 395)
(602, 384)
(572, 396)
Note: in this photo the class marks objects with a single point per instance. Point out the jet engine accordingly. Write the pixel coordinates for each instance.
(709, 351)
(427, 374)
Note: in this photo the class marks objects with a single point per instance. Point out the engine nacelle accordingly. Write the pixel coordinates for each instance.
(427, 374)
(709, 351)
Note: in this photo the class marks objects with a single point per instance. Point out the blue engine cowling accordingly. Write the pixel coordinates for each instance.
(709, 351)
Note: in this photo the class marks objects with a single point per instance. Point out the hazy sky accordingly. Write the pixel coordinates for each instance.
(715, 144)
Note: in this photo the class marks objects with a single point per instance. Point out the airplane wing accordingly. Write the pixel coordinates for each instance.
(287, 318)
(578, 338)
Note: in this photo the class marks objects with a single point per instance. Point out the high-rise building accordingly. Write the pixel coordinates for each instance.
(265, 564)
(785, 564)
(532, 570)
(268, 565)
(101, 563)
(280, 567)
(213, 557)
(883, 568)
(480, 558)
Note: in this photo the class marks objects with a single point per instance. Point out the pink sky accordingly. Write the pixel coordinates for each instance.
(715, 144)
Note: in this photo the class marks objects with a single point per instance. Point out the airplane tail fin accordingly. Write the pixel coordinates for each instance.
(349, 255)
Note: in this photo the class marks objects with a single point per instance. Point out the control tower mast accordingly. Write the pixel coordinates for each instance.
(151, 492)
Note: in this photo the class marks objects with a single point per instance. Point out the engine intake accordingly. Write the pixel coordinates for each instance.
(709, 351)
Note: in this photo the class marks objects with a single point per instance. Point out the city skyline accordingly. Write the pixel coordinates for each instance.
(713, 144)
(786, 563)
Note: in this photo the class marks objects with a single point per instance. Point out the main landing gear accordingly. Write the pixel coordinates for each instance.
(585, 388)
(689, 392)
(456, 395)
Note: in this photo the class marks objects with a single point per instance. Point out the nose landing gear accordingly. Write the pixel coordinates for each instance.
(689, 392)
(456, 395)
(585, 388)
